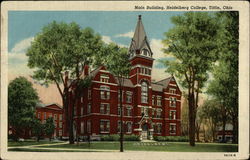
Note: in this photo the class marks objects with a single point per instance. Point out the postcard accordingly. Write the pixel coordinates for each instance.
(125, 80)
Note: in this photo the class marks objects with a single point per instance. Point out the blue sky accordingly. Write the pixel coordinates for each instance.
(113, 26)
(25, 24)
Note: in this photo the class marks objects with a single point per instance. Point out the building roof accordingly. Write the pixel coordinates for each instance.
(95, 71)
(127, 82)
(42, 105)
(164, 82)
(157, 87)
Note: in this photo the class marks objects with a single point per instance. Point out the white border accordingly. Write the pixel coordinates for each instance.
(241, 6)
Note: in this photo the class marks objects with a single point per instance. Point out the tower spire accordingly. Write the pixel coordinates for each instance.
(139, 40)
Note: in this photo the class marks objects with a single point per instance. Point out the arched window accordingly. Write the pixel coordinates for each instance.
(144, 92)
(145, 52)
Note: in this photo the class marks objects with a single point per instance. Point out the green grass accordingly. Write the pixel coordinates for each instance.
(170, 147)
(28, 143)
(42, 150)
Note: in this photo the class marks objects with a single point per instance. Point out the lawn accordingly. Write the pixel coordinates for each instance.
(167, 147)
(28, 143)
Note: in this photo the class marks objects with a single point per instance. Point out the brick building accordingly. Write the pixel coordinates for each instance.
(150, 108)
(55, 111)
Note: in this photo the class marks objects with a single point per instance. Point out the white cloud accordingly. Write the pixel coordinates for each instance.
(108, 40)
(128, 34)
(22, 46)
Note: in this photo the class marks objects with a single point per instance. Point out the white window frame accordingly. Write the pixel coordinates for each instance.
(89, 126)
(174, 114)
(107, 124)
(144, 92)
(129, 130)
(158, 101)
(172, 124)
(89, 108)
(82, 127)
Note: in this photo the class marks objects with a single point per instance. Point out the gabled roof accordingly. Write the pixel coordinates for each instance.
(94, 72)
(41, 105)
(127, 82)
(164, 82)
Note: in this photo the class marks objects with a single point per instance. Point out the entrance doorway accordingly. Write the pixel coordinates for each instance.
(144, 131)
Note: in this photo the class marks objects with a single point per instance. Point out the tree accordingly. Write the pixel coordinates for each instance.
(211, 113)
(49, 127)
(184, 116)
(226, 75)
(37, 129)
(192, 44)
(118, 64)
(59, 54)
(22, 99)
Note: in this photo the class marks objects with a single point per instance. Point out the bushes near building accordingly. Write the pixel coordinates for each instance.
(171, 138)
(116, 137)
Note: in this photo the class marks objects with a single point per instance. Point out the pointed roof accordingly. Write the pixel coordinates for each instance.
(139, 34)
(139, 39)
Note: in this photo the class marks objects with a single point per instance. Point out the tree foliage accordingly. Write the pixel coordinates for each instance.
(37, 128)
(224, 86)
(191, 42)
(22, 99)
(58, 54)
(49, 127)
(118, 64)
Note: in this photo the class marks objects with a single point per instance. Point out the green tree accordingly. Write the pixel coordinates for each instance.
(210, 111)
(184, 116)
(192, 44)
(224, 86)
(118, 64)
(22, 99)
(59, 54)
(37, 128)
(49, 127)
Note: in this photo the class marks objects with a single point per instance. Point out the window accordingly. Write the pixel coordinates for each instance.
(104, 108)
(105, 92)
(104, 126)
(145, 71)
(172, 128)
(144, 111)
(89, 94)
(153, 112)
(89, 126)
(38, 115)
(129, 111)
(144, 92)
(158, 113)
(172, 101)
(119, 111)
(82, 127)
(81, 110)
(60, 124)
(172, 114)
(128, 97)
(153, 100)
(60, 132)
(104, 78)
(50, 114)
(60, 117)
(55, 123)
(55, 116)
(81, 99)
(129, 127)
(172, 90)
(159, 127)
(89, 108)
(158, 101)
(145, 52)
(44, 116)
(119, 126)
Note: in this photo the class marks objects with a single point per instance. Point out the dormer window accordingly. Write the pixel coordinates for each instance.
(145, 52)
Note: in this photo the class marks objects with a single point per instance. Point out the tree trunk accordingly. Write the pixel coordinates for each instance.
(121, 119)
(191, 119)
